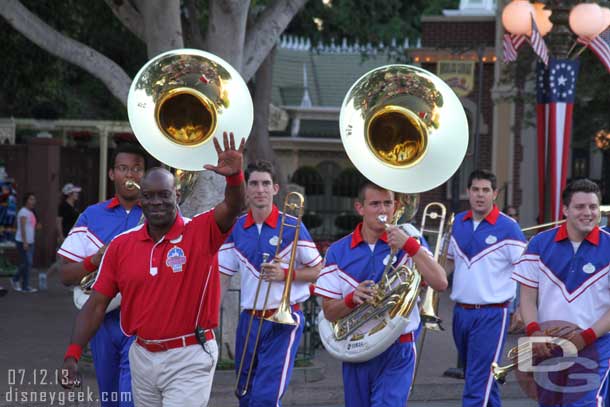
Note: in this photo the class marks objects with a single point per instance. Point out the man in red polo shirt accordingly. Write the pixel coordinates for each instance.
(165, 273)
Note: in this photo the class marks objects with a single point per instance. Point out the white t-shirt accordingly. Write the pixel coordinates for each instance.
(30, 225)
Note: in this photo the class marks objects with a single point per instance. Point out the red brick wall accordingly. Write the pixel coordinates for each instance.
(458, 34)
(459, 37)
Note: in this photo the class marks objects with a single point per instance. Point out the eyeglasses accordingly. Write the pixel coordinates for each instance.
(123, 169)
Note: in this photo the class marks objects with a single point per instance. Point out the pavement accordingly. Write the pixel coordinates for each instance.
(36, 328)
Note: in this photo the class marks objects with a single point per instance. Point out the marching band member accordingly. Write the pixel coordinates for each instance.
(170, 290)
(81, 253)
(254, 235)
(484, 245)
(564, 277)
(353, 264)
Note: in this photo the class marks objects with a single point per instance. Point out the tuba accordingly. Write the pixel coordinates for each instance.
(405, 130)
(178, 102)
(182, 99)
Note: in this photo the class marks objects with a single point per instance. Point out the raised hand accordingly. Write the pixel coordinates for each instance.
(230, 161)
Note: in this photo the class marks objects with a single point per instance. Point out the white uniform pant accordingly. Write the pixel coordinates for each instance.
(180, 377)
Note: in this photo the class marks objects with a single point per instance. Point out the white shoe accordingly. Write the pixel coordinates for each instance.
(16, 285)
(29, 290)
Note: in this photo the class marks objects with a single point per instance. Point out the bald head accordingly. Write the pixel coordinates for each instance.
(159, 201)
(159, 174)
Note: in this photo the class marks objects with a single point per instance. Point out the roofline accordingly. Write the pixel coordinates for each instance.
(459, 19)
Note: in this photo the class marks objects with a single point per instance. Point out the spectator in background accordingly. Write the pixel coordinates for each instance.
(26, 228)
(67, 214)
(513, 212)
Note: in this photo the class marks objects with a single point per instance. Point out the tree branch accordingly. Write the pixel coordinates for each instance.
(47, 38)
(193, 37)
(263, 35)
(128, 16)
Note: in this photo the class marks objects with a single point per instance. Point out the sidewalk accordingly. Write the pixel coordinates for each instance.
(36, 328)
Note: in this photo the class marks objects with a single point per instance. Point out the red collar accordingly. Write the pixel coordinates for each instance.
(114, 202)
(174, 232)
(592, 237)
(357, 236)
(271, 220)
(491, 218)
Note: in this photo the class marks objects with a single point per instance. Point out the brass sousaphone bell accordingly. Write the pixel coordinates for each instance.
(404, 128)
(183, 98)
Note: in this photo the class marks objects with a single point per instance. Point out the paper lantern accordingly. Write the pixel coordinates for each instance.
(587, 20)
(542, 18)
(516, 17)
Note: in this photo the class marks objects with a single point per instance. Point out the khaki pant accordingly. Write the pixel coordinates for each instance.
(180, 377)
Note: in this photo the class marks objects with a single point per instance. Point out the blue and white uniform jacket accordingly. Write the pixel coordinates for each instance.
(243, 253)
(573, 285)
(350, 260)
(484, 258)
(96, 227)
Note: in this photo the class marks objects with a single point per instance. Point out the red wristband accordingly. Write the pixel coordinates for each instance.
(411, 246)
(349, 300)
(312, 290)
(235, 180)
(294, 274)
(531, 328)
(589, 336)
(89, 266)
(73, 351)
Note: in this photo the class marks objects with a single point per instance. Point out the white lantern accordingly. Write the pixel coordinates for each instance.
(542, 18)
(606, 16)
(516, 17)
(587, 20)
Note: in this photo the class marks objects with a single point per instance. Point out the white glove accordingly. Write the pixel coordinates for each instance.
(410, 230)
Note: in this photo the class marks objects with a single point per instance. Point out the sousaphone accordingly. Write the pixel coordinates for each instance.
(180, 100)
(405, 130)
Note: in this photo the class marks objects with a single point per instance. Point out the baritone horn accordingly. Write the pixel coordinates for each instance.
(294, 203)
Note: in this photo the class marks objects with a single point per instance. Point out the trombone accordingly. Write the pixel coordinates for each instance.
(523, 353)
(283, 314)
(429, 307)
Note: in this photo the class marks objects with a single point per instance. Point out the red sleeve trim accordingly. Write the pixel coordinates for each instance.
(531, 328)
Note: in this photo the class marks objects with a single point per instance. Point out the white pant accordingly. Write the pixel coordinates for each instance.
(180, 377)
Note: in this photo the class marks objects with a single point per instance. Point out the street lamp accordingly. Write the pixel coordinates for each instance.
(560, 21)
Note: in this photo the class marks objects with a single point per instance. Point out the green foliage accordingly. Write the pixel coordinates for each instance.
(365, 20)
(36, 83)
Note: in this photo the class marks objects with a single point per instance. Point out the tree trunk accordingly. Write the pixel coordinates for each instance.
(227, 30)
(162, 25)
(259, 145)
(262, 36)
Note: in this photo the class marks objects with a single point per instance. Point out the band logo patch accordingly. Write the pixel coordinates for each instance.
(274, 240)
(491, 239)
(175, 259)
(588, 268)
